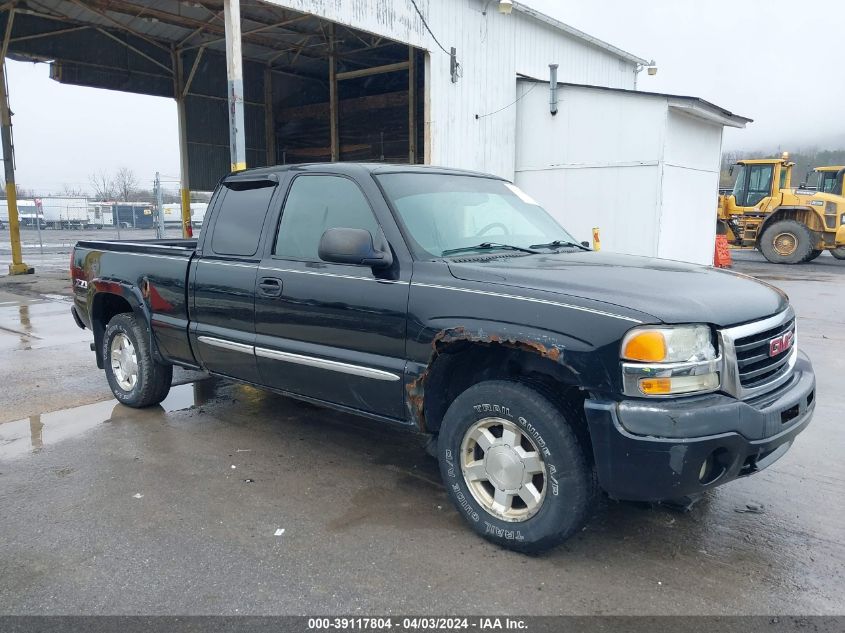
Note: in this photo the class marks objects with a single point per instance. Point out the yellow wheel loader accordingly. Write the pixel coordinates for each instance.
(788, 225)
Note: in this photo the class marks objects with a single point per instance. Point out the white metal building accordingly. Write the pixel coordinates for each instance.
(492, 50)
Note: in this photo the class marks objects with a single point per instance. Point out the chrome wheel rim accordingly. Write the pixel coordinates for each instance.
(124, 362)
(503, 469)
(785, 243)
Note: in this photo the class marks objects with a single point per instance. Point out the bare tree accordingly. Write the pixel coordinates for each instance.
(103, 186)
(71, 192)
(126, 183)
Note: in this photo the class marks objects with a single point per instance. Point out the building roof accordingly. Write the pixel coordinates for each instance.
(695, 106)
(589, 39)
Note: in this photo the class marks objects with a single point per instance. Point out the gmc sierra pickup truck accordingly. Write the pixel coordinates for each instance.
(450, 302)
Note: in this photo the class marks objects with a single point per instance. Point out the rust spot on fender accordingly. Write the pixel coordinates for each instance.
(416, 388)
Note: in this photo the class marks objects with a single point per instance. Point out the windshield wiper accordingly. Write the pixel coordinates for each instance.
(558, 243)
(487, 246)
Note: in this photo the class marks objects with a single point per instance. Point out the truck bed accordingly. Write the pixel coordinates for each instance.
(150, 275)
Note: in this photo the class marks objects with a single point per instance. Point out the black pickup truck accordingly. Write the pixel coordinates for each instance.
(451, 303)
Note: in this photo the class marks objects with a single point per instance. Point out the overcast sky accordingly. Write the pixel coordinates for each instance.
(764, 59)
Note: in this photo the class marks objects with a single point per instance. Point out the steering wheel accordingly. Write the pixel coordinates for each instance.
(492, 226)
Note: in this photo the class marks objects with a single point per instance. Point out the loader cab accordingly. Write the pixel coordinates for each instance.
(830, 179)
(759, 180)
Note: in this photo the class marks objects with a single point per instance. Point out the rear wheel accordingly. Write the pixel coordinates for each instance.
(135, 378)
(838, 253)
(514, 466)
(787, 242)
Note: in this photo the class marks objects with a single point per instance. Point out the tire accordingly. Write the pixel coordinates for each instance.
(562, 493)
(813, 254)
(787, 242)
(151, 382)
(838, 253)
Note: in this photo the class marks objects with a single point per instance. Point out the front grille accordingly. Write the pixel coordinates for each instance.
(749, 370)
(755, 366)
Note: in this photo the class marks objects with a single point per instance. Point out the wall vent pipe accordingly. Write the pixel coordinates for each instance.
(553, 89)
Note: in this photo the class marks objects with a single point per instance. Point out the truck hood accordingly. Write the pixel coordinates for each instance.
(670, 291)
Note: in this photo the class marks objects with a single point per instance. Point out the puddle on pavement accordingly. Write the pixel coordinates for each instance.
(27, 325)
(29, 435)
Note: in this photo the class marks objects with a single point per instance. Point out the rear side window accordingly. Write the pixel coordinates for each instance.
(314, 204)
(237, 229)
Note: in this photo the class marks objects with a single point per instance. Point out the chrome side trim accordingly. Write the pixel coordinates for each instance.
(529, 299)
(323, 363)
(222, 263)
(322, 274)
(727, 339)
(229, 345)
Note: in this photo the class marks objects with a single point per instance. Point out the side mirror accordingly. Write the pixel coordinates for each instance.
(586, 244)
(352, 246)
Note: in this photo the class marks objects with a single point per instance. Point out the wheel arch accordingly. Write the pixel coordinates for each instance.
(111, 298)
(462, 357)
(803, 214)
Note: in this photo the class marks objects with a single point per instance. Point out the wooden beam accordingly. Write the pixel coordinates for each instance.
(333, 115)
(375, 70)
(412, 105)
(352, 106)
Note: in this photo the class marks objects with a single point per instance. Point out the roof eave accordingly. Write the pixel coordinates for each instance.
(593, 41)
(703, 110)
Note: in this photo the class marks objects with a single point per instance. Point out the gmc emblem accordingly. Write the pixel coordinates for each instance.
(780, 344)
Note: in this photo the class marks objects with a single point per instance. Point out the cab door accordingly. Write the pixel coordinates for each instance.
(223, 278)
(332, 332)
(754, 186)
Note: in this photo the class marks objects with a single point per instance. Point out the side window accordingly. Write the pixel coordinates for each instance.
(314, 204)
(237, 229)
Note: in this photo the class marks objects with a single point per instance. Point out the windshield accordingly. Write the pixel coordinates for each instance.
(445, 212)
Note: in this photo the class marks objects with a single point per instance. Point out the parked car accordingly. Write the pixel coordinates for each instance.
(450, 303)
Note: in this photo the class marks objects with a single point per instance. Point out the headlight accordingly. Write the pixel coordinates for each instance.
(682, 344)
(670, 361)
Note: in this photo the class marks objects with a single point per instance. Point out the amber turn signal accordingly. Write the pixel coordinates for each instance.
(648, 346)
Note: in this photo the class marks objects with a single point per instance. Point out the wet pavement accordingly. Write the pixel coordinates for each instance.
(227, 499)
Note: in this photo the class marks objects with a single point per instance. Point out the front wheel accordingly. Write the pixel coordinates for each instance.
(135, 378)
(514, 466)
(787, 242)
(838, 253)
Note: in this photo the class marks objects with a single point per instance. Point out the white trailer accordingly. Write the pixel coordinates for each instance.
(26, 212)
(64, 213)
(101, 214)
(173, 213)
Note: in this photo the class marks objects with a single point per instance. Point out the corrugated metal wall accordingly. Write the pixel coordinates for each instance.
(492, 50)
(208, 118)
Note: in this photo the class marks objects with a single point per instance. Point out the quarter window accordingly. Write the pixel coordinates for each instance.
(315, 204)
(237, 229)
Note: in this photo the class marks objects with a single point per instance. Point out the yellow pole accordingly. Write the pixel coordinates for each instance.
(187, 226)
(17, 267)
(596, 239)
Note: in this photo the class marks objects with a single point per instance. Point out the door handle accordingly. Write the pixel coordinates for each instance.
(270, 287)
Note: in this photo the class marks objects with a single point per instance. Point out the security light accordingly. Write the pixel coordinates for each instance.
(505, 7)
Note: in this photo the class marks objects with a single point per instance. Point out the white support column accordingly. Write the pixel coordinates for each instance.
(234, 76)
(180, 90)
